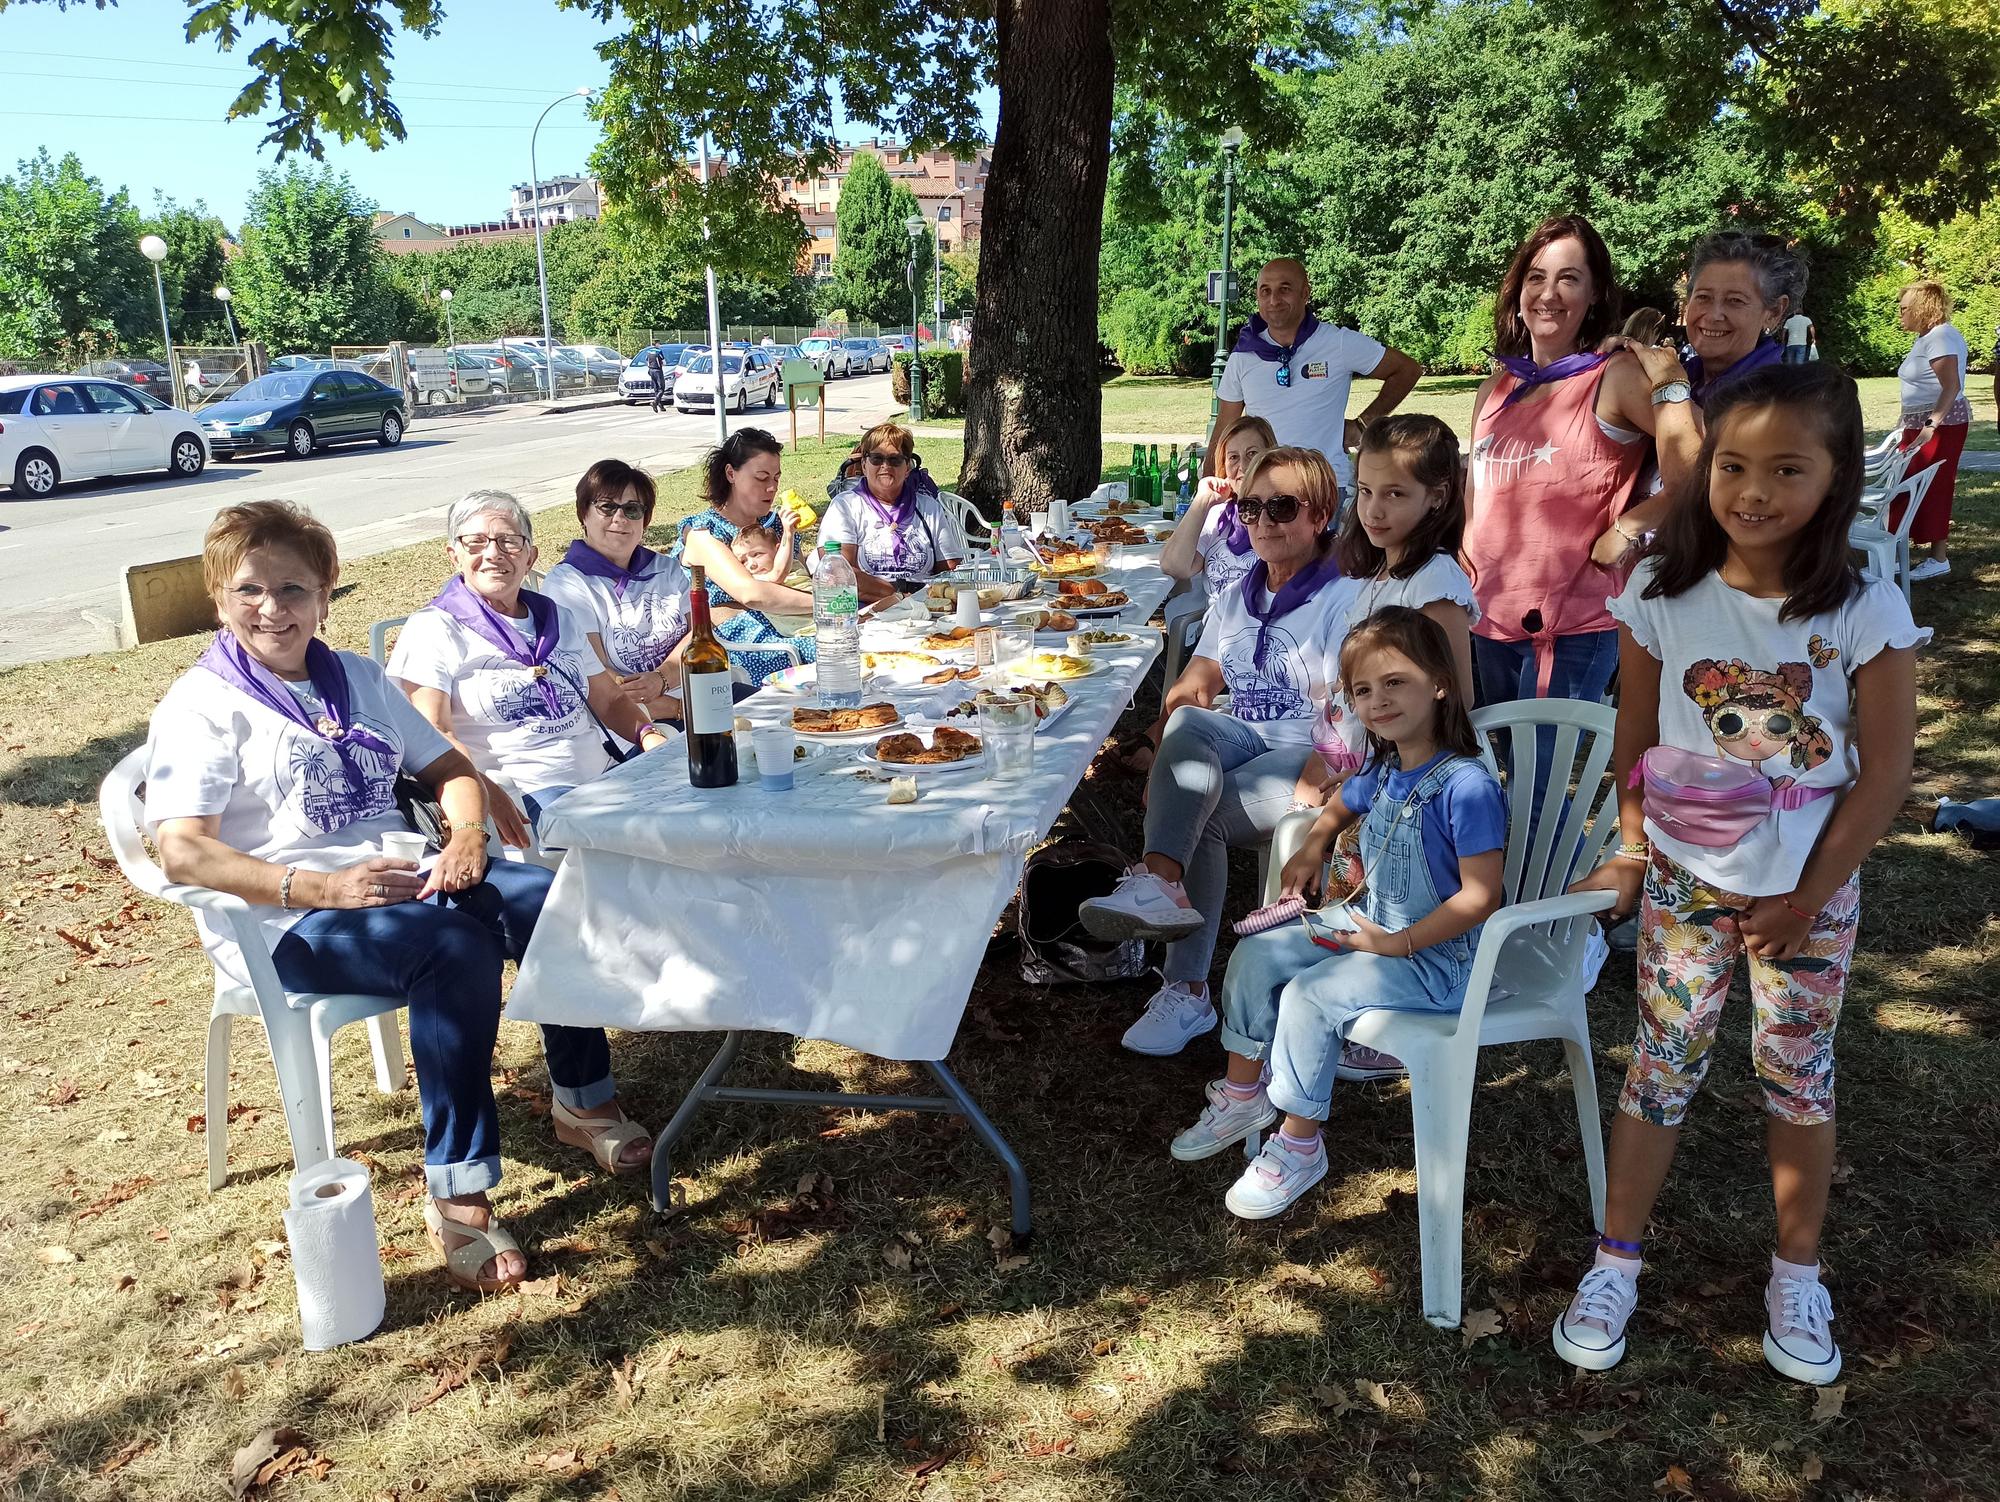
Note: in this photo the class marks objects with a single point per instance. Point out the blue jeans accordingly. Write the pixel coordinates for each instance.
(1216, 783)
(443, 957)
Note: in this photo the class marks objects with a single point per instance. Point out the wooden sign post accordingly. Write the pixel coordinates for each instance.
(803, 379)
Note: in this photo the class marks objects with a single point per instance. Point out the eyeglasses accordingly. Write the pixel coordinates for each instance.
(632, 511)
(1279, 508)
(286, 596)
(889, 461)
(1733, 724)
(478, 542)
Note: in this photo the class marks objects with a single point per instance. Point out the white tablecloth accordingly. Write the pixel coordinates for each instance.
(823, 912)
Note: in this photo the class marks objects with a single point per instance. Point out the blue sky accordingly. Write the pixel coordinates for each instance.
(142, 107)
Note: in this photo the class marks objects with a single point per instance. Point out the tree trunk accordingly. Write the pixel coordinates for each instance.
(1032, 407)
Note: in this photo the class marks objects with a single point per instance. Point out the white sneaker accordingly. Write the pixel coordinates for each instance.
(1930, 568)
(1797, 1342)
(1225, 1121)
(1274, 1182)
(1144, 906)
(1360, 1064)
(1591, 1332)
(1174, 1018)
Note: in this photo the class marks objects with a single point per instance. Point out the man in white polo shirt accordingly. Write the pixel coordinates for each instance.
(1294, 372)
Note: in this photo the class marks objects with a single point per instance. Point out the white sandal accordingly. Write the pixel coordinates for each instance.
(463, 1259)
(605, 1138)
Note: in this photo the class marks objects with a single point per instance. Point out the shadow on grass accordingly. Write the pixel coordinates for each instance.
(49, 780)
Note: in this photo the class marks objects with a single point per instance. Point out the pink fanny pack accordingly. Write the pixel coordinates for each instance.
(1708, 801)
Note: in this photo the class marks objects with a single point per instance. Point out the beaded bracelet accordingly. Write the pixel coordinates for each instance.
(285, 888)
(1634, 851)
(1795, 911)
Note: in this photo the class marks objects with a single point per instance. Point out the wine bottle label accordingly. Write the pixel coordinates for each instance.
(710, 710)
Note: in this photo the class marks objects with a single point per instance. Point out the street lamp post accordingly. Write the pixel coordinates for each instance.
(916, 225)
(450, 339)
(937, 277)
(1232, 142)
(541, 267)
(154, 249)
(224, 296)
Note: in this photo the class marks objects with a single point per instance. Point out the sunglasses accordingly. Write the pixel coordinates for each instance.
(889, 461)
(1279, 508)
(1285, 372)
(632, 511)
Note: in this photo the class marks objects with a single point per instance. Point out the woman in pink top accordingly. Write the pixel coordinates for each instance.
(1558, 440)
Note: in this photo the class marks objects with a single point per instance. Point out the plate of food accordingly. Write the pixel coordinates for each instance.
(845, 724)
(1054, 666)
(1049, 622)
(804, 679)
(901, 667)
(948, 639)
(948, 750)
(1081, 564)
(1051, 701)
(1096, 637)
(942, 598)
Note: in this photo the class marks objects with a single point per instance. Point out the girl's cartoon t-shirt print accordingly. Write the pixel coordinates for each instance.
(1758, 717)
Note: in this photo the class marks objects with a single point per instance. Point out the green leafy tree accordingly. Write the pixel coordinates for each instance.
(72, 281)
(193, 269)
(310, 275)
(873, 245)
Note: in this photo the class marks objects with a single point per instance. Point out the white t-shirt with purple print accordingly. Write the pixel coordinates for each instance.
(640, 625)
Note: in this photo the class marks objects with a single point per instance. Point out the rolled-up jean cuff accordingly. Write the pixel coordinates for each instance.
(1242, 1047)
(584, 1097)
(449, 1180)
(1298, 1105)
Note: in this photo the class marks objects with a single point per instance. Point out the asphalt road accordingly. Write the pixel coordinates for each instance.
(62, 556)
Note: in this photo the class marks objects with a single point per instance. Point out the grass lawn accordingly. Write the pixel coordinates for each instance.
(1179, 407)
(764, 1344)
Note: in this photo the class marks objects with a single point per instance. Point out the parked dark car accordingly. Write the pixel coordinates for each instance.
(299, 411)
(523, 374)
(147, 375)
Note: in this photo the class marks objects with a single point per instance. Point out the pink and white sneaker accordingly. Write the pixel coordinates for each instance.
(1143, 906)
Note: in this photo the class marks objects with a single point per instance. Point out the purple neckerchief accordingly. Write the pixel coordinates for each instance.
(917, 483)
(464, 605)
(1295, 591)
(227, 659)
(587, 560)
(1529, 375)
(1256, 339)
(1766, 351)
(1229, 527)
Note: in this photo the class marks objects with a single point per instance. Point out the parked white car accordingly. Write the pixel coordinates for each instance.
(63, 427)
(830, 353)
(749, 378)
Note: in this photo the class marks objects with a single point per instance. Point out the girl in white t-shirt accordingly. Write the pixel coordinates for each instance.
(1398, 546)
(1210, 541)
(1752, 657)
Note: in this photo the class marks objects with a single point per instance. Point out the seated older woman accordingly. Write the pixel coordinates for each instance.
(1222, 780)
(740, 485)
(632, 601)
(890, 523)
(271, 776)
(508, 675)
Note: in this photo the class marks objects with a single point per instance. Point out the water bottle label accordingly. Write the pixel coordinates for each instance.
(840, 601)
(710, 709)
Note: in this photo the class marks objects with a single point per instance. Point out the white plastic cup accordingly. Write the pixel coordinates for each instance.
(405, 845)
(1038, 523)
(968, 609)
(777, 746)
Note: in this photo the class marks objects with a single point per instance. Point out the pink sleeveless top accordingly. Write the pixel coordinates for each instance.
(1547, 483)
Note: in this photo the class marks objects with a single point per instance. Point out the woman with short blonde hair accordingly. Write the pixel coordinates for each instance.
(1936, 415)
(891, 524)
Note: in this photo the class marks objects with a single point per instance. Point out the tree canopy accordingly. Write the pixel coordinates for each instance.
(310, 274)
(872, 248)
(72, 281)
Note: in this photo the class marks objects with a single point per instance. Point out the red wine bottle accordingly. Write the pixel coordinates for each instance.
(710, 708)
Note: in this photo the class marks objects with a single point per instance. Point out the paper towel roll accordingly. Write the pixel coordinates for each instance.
(335, 1258)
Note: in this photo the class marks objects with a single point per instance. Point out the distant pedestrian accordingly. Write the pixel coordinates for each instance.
(1800, 339)
(1936, 415)
(656, 372)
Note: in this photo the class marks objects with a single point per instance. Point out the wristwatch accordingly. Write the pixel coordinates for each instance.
(1672, 391)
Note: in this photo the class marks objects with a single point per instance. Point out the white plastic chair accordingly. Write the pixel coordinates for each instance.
(298, 1025)
(1182, 622)
(975, 526)
(1526, 981)
(1888, 548)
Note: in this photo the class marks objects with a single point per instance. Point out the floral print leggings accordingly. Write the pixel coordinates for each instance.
(1688, 946)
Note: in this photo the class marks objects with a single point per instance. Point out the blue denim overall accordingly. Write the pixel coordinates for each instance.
(1286, 999)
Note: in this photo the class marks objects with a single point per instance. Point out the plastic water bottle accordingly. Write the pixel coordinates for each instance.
(837, 629)
(1010, 531)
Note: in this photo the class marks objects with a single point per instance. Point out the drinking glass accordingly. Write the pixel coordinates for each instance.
(1007, 726)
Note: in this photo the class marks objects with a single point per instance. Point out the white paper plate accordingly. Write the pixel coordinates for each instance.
(1099, 612)
(866, 755)
(1132, 639)
(1022, 670)
(851, 735)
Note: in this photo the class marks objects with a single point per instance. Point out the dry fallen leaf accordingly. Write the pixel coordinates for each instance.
(1374, 1392)
(561, 1462)
(897, 1255)
(624, 1388)
(56, 1256)
(1827, 1402)
(1676, 1483)
(1104, 1348)
(1479, 1325)
(1333, 1398)
(273, 1453)
(1597, 1436)
(233, 1384)
(1813, 1469)
(131, 1452)
(1011, 1264)
(1000, 1239)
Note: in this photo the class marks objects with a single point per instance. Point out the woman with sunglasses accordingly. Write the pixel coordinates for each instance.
(740, 484)
(1223, 781)
(632, 601)
(507, 675)
(890, 524)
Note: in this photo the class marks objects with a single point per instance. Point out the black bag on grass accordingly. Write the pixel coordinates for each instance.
(1055, 947)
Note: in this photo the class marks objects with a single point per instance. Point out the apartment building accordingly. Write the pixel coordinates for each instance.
(951, 194)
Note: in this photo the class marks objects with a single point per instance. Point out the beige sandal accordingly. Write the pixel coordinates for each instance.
(463, 1260)
(605, 1138)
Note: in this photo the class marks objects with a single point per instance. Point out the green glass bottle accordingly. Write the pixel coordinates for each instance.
(1168, 490)
(1153, 475)
(1135, 477)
